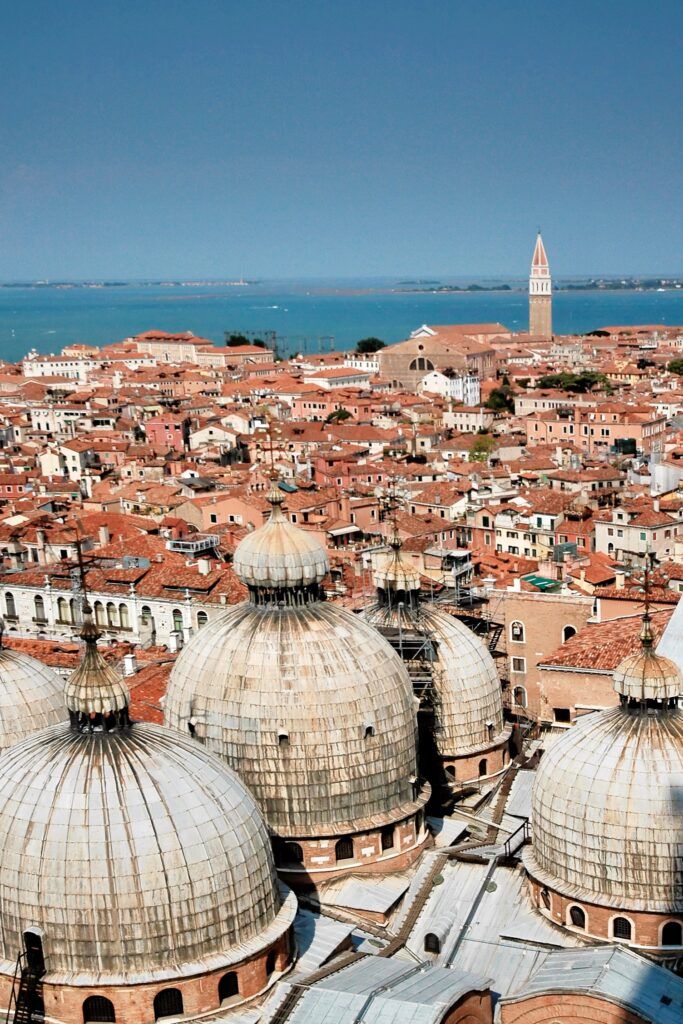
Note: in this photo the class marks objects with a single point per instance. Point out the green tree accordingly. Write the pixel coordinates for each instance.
(676, 366)
(500, 400)
(234, 340)
(338, 416)
(482, 448)
(366, 345)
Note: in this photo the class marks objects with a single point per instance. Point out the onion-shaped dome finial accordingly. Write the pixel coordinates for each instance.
(646, 676)
(95, 694)
(279, 562)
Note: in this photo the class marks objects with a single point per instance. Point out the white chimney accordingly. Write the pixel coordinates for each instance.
(203, 566)
(130, 664)
(104, 535)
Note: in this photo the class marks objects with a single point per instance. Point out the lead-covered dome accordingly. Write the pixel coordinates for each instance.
(31, 697)
(138, 854)
(310, 705)
(607, 805)
(467, 698)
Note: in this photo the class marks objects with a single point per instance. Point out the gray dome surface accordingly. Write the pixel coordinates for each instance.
(279, 554)
(31, 697)
(310, 705)
(138, 854)
(607, 811)
(468, 690)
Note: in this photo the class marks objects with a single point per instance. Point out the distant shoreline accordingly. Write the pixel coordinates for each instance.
(418, 287)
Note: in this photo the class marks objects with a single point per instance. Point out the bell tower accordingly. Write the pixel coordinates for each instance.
(540, 293)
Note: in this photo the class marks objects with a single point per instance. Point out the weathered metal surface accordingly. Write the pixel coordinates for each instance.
(468, 702)
(31, 697)
(310, 705)
(607, 811)
(95, 686)
(279, 554)
(138, 854)
(616, 974)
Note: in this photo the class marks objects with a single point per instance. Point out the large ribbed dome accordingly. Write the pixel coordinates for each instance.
(468, 703)
(31, 697)
(279, 554)
(607, 806)
(310, 705)
(139, 854)
(607, 811)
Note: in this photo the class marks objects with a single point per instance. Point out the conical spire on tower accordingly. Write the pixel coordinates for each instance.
(539, 259)
(540, 292)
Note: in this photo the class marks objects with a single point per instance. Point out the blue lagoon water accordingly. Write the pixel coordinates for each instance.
(49, 318)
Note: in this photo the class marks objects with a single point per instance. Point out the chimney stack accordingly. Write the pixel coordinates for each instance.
(104, 535)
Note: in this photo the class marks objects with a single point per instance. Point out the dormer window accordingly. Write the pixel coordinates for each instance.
(282, 738)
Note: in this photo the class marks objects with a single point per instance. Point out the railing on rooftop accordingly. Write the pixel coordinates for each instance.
(200, 542)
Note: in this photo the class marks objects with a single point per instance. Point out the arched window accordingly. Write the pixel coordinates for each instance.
(62, 609)
(482, 767)
(545, 899)
(270, 962)
(111, 613)
(293, 853)
(432, 943)
(124, 620)
(517, 632)
(168, 1003)
(577, 917)
(567, 633)
(672, 934)
(97, 1009)
(39, 605)
(519, 696)
(421, 364)
(202, 619)
(388, 838)
(146, 615)
(72, 611)
(450, 772)
(177, 620)
(99, 613)
(622, 928)
(10, 606)
(344, 849)
(228, 987)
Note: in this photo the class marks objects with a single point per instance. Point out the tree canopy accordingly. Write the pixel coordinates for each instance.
(366, 345)
(676, 366)
(566, 381)
(501, 399)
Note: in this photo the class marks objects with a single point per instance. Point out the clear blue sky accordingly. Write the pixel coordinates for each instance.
(325, 138)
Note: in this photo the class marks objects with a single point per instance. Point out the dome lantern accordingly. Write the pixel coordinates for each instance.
(646, 679)
(279, 563)
(95, 694)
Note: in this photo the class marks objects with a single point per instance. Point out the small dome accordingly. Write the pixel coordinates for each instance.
(393, 572)
(280, 555)
(646, 675)
(607, 811)
(310, 705)
(94, 686)
(140, 855)
(31, 697)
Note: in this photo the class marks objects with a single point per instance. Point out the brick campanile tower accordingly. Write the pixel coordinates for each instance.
(540, 293)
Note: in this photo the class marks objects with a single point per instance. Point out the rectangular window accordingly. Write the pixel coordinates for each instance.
(562, 715)
(213, 518)
(519, 664)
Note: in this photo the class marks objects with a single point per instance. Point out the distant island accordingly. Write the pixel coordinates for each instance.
(606, 284)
